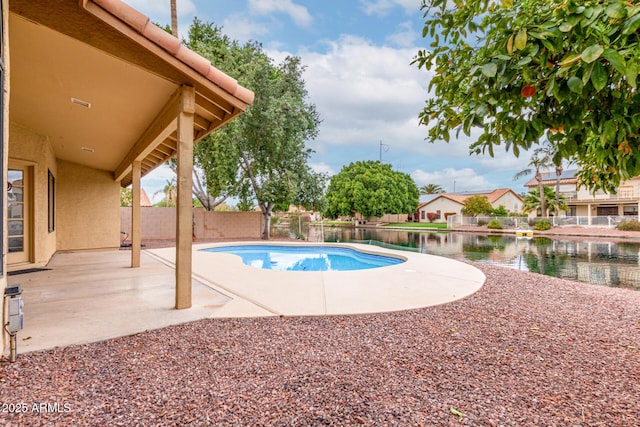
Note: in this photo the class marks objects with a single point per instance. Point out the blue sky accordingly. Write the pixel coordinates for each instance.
(357, 55)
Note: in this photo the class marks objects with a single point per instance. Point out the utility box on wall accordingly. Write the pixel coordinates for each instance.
(16, 317)
(16, 306)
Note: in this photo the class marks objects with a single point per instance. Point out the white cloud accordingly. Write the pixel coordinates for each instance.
(241, 27)
(383, 7)
(322, 168)
(465, 179)
(404, 36)
(299, 14)
(365, 92)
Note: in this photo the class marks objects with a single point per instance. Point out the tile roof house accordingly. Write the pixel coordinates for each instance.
(452, 203)
(582, 202)
(95, 96)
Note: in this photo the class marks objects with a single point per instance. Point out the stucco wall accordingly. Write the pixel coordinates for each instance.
(88, 208)
(155, 223)
(442, 204)
(160, 224)
(227, 225)
(28, 148)
(510, 202)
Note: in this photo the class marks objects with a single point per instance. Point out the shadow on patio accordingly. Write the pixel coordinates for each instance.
(92, 296)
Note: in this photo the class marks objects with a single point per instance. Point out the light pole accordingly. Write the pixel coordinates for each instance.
(385, 147)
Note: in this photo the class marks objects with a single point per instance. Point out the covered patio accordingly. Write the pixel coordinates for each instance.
(92, 296)
(96, 97)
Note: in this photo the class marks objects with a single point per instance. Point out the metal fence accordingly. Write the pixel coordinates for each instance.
(519, 222)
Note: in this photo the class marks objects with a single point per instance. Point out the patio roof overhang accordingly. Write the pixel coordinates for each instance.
(103, 84)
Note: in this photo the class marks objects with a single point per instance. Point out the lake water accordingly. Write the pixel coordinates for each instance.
(590, 261)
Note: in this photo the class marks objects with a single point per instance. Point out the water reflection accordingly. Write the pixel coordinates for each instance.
(597, 262)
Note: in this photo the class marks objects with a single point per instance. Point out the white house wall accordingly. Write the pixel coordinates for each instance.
(441, 204)
(510, 201)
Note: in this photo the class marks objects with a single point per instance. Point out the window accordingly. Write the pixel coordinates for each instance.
(631, 210)
(422, 215)
(607, 211)
(51, 202)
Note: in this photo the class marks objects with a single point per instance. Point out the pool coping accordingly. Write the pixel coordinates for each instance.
(422, 280)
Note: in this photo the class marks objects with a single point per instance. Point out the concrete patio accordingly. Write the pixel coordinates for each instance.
(92, 296)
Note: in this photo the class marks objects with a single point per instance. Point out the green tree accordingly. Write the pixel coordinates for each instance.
(540, 160)
(532, 201)
(522, 70)
(371, 189)
(431, 189)
(477, 205)
(500, 211)
(170, 191)
(265, 147)
(126, 197)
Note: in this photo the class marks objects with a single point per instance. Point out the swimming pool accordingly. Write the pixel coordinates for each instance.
(306, 258)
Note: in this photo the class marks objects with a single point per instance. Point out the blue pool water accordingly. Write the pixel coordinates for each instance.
(306, 258)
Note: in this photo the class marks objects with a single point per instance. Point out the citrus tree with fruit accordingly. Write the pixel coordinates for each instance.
(531, 70)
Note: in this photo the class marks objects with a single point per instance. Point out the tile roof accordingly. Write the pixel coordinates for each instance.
(567, 177)
(143, 25)
(461, 198)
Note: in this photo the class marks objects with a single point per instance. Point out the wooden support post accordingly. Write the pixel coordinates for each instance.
(184, 218)
(136, 230)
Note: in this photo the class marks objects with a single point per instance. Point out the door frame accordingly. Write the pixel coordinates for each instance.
(26, 256)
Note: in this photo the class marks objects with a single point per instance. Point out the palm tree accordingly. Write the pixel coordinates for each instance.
(174, 18)
(170, 192)
(532, 200)
(556, 159)
(541, 159)
(431, 189)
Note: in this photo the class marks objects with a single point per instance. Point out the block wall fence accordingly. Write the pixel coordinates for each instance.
(160, 224)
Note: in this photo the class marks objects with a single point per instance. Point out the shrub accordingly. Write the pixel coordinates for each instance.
(481, 222)
(500, 211)
(494, 224)
(542, 224)
(432, 216)
(629, 225)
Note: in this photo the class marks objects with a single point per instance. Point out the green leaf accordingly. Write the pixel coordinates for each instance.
(616, 60)
(454, 411)
(490, 69)
(586, 74)
(565, 27)
(599, 77)
(520, 41)
(482, 110)
(551, 84)
(575, 84)
(616, 11)
(507, 3)
(609, 132)
(631, 25)
(524, 61)
(592, 53)
(631, 75)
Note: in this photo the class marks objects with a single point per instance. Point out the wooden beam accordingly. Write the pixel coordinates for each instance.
(184, 218)
(136, 230)
(162, 126)
(215, 110)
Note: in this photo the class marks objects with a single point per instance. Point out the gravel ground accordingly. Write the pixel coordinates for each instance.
(524, 350)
